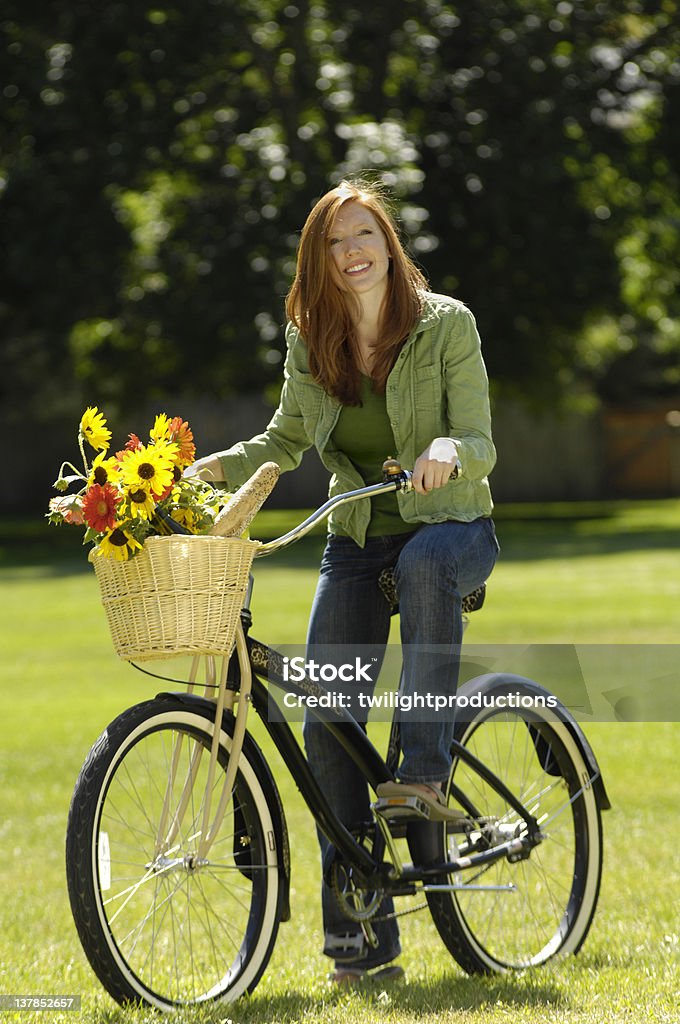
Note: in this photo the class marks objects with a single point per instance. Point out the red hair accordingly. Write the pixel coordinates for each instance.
(320, 309)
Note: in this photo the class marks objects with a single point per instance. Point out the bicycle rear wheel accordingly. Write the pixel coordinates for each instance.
(158, 925)
(544, 905)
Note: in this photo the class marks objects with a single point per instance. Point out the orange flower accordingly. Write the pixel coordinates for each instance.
(182, 435)
(99, 507)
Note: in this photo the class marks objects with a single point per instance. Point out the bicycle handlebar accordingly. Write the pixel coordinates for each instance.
(394, 479)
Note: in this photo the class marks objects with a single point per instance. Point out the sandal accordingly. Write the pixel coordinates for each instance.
(358, 975)
(400, 796)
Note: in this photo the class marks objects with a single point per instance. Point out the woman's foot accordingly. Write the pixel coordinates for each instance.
(428, 793)
(349, 976)
(428, 789)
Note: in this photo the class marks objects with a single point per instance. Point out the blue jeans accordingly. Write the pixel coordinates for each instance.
(434, 568)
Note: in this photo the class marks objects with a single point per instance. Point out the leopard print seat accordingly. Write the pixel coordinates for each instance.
(472, 602)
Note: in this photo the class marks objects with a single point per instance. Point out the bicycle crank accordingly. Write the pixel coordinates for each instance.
(354, 901)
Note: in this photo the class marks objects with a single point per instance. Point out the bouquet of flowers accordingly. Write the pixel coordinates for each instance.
(134, 493)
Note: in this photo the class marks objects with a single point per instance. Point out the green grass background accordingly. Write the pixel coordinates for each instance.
(596, 573)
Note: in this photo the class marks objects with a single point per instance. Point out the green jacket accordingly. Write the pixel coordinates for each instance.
(437, 388)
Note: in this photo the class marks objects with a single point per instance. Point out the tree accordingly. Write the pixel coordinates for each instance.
(158, 162)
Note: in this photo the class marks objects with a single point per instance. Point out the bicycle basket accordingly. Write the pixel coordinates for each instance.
(178, 595)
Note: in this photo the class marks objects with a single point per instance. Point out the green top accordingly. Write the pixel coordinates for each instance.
(364, 433)
(437, 388)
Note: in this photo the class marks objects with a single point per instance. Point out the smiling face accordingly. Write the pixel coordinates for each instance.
(359, 251)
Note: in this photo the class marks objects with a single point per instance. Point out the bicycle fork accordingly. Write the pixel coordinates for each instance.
(171, 822)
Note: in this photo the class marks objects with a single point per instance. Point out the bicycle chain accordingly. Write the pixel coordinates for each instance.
(401, 913)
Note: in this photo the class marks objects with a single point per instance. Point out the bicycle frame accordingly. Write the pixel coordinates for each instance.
(355, 741)
(241, 680)
(250, 661)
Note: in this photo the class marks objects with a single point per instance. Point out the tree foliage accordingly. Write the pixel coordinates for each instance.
(158, 161)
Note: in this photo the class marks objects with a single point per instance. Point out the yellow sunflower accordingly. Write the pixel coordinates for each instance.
(185, 517)
(161, 428)
(118, 544)
(149, 467)
(104, 470)
(141, 502)
(167, 448)
(93, 427)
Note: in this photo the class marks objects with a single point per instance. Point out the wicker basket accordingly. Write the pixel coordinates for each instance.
(178, 595)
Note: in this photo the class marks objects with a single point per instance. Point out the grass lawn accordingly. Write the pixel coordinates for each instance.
(590, 574)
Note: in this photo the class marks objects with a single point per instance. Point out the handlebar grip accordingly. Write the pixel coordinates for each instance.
(246, 503)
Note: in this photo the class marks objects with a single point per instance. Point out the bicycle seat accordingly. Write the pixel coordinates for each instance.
(472, 602)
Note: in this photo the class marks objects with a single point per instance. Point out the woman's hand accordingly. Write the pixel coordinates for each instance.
(435, 466)
(208, 468)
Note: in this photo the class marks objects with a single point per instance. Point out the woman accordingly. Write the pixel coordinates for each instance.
(376, 366)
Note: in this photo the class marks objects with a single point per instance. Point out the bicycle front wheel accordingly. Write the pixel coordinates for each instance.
(158, 924)
(542, 906)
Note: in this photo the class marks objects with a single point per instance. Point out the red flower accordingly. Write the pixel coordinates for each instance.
(99, 507)
(164, 494)
(131, 445)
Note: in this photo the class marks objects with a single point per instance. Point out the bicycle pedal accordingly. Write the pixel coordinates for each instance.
(411, 807)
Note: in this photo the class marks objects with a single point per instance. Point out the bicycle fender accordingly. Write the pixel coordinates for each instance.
(206, 708)
(505, 680)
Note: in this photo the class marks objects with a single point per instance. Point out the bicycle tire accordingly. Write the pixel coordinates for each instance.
(551, 908)
(170, 932)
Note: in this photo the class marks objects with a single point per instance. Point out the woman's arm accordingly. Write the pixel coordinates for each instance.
(468, 448)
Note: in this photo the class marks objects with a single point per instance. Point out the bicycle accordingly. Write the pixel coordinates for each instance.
(177, 849)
